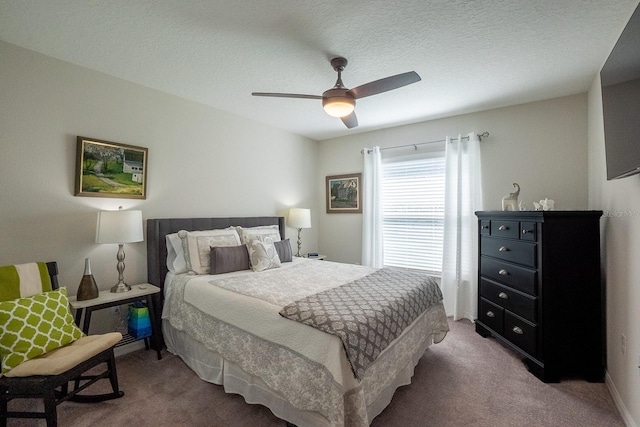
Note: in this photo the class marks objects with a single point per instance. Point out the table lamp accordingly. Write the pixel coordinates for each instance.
(119, 227)
(299, 218)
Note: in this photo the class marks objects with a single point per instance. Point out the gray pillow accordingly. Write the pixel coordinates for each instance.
(283, 248)
(225, 259)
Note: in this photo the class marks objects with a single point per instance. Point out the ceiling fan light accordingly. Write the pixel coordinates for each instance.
(338, 106)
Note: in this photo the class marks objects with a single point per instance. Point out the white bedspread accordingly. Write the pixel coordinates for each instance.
(236, 315)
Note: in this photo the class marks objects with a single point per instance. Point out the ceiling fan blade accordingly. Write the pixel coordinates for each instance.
(350, 121)
(384, 85)
(286, 95)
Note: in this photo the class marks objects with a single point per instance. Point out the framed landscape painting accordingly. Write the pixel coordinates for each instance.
(344, 193)
(109, 169)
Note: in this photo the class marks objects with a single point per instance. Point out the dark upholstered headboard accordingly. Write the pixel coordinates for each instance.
(157, 229)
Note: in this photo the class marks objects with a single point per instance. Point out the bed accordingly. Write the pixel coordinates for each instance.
(232, 330)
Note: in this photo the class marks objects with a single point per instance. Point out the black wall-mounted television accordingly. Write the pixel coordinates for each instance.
(620, 80)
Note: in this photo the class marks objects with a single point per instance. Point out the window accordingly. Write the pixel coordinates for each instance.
(413, 212)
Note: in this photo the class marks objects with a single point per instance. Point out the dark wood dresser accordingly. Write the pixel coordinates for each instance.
(540, 289)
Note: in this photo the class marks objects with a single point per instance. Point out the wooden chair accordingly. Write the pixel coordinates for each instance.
(54, 389)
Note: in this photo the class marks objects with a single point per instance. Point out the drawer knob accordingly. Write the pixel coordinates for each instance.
(503, 227)
(527, 231)
(490, 314)
(518, 331)
(503, 295)
(503, 272)
(503, 249)
(485, 227)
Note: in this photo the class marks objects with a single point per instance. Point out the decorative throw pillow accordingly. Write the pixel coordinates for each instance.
(262, 253)
(32, 326)
(272, 231)
(283, 247)
(23, 280)
(225, 259)
(197, 246)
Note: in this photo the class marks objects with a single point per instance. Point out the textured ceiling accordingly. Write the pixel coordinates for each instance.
(471, 55)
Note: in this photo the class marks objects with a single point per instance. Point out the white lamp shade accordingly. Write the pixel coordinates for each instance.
(119, 227)
(300, 218)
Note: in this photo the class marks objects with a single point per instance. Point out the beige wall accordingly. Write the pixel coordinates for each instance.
(542, 146)
(202, 162)
(620, 199)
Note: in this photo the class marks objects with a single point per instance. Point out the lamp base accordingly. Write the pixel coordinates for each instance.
(121, 287)
(299, 243)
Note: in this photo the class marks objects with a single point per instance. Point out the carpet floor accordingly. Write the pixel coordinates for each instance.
(465, 380)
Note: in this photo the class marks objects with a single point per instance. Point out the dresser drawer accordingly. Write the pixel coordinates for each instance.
(521, 278)
(516, 302)
(501, 228)
(509, 250)
(528, 231)
(485, 227)
(491, 315)
(520, 332)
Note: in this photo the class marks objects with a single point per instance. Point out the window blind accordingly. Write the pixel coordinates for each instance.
(413, 213)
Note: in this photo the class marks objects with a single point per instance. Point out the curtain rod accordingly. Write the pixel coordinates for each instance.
(415, 146)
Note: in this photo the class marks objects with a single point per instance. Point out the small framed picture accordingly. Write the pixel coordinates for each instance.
(344, 193)
(109, 169)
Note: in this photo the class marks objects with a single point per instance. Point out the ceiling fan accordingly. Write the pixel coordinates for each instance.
(340, 101)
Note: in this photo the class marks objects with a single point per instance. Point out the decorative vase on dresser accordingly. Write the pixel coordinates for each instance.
(540, 289)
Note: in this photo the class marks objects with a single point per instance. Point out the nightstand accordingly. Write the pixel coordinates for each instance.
(319, 257)
(106, 299)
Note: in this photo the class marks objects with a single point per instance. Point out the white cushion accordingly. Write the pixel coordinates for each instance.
(262, 253)
(64, 358)
(197, 245)
(176, 263)
(272, 231)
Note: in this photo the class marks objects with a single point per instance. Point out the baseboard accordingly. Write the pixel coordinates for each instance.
(622, 409)
(130, 348)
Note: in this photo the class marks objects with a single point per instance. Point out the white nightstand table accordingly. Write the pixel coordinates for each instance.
(318, 257)
(142, 291)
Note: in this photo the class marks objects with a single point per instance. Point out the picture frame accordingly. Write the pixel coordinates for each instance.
(110, 169)
(344, 193)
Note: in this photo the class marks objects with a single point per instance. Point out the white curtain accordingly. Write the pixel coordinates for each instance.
(463, 196)
(372, 249)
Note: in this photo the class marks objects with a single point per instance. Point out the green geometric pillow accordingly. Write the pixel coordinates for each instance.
(32, 326)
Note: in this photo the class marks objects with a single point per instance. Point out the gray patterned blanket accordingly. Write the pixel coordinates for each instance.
(368, 313)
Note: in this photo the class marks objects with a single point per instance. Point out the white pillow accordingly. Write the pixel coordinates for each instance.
(197, 246)
(175, 254)
(262, 253)
(272, 231)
